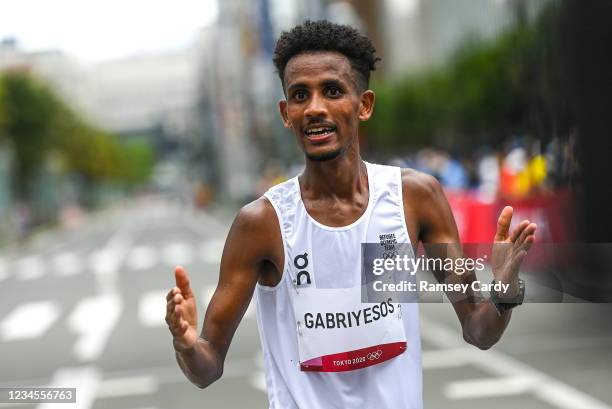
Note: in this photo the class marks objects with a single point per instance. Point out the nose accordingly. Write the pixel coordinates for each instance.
(316, 106)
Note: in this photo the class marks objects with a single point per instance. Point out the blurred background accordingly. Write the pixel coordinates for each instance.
(130, 134)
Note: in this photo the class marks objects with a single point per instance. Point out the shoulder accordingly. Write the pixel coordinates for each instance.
(255, 233)
(426, 203)
(256, 215)
(417, 184)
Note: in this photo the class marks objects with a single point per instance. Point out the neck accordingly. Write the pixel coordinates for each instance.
(343, 177)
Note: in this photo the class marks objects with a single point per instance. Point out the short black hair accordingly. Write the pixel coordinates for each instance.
(323, 35)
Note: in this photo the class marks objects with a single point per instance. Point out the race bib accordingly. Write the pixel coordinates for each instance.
(336, 332)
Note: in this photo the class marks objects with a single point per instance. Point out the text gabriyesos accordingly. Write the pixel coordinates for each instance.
(413, 264)
(349, 318)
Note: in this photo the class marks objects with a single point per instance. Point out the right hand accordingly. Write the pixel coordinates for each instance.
(181, 312)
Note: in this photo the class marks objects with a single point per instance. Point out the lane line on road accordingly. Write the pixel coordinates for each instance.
(127, 386)
(487, 388)
(106, 261)
(548, 389)
(30, 320)
(29, 268)
(142, 258)
(445, 358)
(178, 253)
(211, 251)
(4, 271)
(85, 380)
(93, 319)
(67, 264)
(152, 308)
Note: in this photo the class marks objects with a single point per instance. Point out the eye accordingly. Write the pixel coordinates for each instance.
(334, 92)
(300, 95)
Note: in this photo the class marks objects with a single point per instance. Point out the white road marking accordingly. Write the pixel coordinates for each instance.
(258, 379)
(106, 262)
(563, 396)
(493, 361)
(142, 258)
(152, 308)
(445, 358)
(486, 388)
(129, 386)
(103, 261)
(148, 407)
(29, 268)
(3, 269)
(85, 380)
(29, 320)
(211, 250)
(177, 254)
(67, 264)
(93, 319)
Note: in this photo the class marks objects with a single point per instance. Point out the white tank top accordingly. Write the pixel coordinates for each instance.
(335, 259)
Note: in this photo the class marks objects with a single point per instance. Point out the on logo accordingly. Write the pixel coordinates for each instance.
(301, 262)
(375, 355)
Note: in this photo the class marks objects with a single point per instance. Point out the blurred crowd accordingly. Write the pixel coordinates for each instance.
(521, 168)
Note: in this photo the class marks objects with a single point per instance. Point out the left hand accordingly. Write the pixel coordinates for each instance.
(509, 250)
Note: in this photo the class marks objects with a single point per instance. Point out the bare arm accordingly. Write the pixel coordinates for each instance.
(434, 223)
(253, 241)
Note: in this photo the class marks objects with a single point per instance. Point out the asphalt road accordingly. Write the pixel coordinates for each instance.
(85, 308)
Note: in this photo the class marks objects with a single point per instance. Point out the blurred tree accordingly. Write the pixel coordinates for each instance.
(30, 110)
(39, 124)
(3, 115)
(138, 157)
(487, 91)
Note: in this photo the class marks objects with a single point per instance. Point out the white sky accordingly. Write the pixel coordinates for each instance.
(95, 30)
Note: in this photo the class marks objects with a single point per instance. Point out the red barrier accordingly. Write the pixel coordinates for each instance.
(477, 220)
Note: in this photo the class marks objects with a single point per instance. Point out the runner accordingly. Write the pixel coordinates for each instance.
(299, 248)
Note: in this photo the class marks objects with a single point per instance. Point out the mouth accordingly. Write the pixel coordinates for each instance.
(320, 133)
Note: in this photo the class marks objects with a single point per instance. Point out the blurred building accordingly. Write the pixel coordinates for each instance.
(421, 33)
(145, 92)
(60, 70)
(129, 95)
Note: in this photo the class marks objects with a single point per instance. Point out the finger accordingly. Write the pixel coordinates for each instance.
(171, 318)
(503, 224)
(178, 299)
(183, 326)
(177, 311)
(178, 328)
(517, 260)
(171, 293)
(530, 229)
(170, 307)
(182, 281)
(518, 230)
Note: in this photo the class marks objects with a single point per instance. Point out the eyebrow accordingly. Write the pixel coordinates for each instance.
(325, 83)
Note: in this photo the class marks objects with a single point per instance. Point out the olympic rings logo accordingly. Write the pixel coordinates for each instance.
(372, 356)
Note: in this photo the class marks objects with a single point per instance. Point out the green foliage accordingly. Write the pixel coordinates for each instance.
(138, 159)
(37, 123)
(30, 110)
(486, 92)
(3, 114)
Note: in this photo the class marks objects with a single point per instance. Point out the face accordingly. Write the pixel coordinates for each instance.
(324, 105)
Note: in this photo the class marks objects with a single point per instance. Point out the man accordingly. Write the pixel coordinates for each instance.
(299, 248)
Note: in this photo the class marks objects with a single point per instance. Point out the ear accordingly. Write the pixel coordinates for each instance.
(366, 105)
(282, 107)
